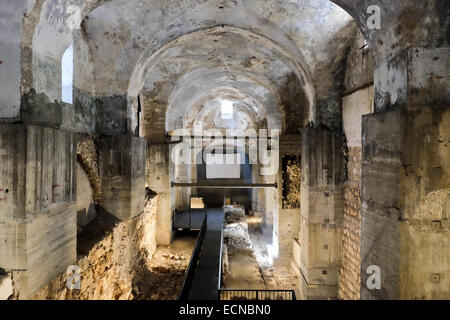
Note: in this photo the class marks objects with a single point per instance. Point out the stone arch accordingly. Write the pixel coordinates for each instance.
(152, 55)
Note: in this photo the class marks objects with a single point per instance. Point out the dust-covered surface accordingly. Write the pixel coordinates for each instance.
(111, 255)
(164, 277)
(277, 273)
(248, 263)
(241, 270)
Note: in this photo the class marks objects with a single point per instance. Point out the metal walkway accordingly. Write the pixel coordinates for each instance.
(203, 279)
(204, 274)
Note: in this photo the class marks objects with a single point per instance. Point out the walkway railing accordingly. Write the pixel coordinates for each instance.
(187, 283)
(203, 276)
(256, 295)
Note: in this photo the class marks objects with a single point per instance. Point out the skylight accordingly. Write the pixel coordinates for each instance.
(227, 110)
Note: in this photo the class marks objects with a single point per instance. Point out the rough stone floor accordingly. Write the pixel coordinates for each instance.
(246, 259)
(241, 270)
(165, 276)
(276, 272)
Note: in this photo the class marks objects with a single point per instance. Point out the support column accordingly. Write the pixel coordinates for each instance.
(38, 222)
(122, 167)
(322, 213)
(406, 203)
(158, 179)
(181, 174)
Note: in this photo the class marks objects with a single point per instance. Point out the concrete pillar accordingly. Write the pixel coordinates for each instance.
(406, 203)
(289, 218)
(322, 212)
(38, 223)
(181, 174)
(158, 179)
(122, 168)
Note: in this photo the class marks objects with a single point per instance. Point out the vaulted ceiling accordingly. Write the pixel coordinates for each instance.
(283, 60)
(282, 56)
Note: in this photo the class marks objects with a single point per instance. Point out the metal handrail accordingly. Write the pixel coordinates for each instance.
(187, 282)
(251, 294)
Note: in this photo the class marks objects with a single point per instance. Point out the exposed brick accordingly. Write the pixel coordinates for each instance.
(350, 274)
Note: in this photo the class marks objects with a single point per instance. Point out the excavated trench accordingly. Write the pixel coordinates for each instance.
(246, 258)
(163, 278)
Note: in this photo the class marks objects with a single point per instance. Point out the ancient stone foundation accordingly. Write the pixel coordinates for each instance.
(349, 276)
(111, 254)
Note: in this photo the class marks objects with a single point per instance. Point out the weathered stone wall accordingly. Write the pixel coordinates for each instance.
(291, 183)
(357, 101)
(10, 65)
(37, 197)
(350, 273)
(417, 77)
(80, 116)
(354, 106)
(322, 213)
(122, 168)
(289, 194)
(360, 66)
(405, 203)
(85, 206)
(87, 157)
(110, 264)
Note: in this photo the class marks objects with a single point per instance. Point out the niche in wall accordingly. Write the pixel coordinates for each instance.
(291, 181)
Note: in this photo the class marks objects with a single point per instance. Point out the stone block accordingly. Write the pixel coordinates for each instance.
(406, 179)
(37, 212)
(122, 168)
